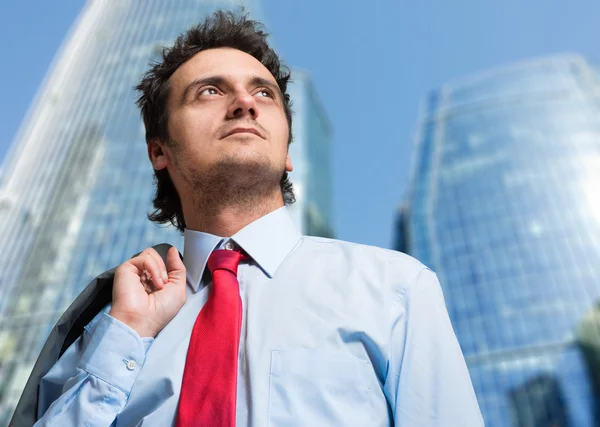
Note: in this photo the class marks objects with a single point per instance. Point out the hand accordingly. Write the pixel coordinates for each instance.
(146, 294)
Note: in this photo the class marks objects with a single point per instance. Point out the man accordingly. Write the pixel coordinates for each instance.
(258, 325)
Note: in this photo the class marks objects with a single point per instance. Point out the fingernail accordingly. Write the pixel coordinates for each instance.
(165, 277)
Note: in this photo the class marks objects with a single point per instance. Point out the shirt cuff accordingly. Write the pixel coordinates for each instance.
(115, 353)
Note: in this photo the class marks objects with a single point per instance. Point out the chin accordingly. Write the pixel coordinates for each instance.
(246, 153)
(244, 157)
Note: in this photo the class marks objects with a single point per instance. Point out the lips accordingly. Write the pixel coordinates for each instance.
(242, 130)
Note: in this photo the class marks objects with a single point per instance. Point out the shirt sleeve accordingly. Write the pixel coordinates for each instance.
(91, 382)
(428, 383)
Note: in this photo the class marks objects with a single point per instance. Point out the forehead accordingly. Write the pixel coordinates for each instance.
(232, 64)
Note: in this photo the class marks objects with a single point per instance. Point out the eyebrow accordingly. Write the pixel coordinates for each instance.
(220, 81)
(259, 81)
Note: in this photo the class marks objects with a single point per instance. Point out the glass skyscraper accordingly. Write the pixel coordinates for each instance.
(504, 204)
(311, 157)
(77, 184)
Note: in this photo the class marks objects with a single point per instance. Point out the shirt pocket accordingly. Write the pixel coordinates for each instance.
(310, 387)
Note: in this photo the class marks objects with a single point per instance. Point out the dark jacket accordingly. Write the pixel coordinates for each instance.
(69, 327)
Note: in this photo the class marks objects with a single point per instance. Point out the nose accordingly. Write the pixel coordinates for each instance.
(243, 105)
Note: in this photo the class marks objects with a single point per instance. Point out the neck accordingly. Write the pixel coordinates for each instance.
(228, 220)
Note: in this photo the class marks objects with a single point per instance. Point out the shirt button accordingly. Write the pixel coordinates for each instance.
(131, 365)
(229, 245)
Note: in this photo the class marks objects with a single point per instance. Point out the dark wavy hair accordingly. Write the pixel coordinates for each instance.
(221, 29)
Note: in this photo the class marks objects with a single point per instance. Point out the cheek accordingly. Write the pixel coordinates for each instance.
(281, 129)
(191, 128)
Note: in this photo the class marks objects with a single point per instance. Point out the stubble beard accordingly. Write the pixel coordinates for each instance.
(242, 185)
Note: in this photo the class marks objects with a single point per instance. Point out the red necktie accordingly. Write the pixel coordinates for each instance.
(208, 390)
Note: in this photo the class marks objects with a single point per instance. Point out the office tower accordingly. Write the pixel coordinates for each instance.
(310, 152)
(504, 204)
(77, 184)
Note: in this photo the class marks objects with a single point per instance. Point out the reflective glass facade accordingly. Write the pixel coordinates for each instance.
(311, 157)
(504, 204)
(77, 185)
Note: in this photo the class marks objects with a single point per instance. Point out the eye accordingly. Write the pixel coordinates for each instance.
(208, 91)
(266, 93)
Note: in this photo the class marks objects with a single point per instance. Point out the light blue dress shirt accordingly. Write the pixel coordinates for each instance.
(333, 334)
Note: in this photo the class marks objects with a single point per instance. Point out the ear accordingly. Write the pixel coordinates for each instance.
(288, 164)
(157, 155)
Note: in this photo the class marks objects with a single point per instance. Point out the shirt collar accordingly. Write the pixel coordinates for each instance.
(268, 241)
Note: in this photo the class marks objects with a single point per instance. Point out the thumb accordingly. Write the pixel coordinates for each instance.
(175, 266)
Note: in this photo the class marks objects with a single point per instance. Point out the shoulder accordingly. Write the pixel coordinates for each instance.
(398, 266)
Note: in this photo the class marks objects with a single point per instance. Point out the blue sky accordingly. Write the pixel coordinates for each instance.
(371, 62)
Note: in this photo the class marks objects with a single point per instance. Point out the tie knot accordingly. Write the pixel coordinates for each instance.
(223, 259)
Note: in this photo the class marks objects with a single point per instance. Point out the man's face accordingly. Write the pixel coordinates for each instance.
(224, 106)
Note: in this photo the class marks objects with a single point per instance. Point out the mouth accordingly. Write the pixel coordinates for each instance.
(244, 130)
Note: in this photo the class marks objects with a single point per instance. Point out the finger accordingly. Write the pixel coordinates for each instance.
(161, 264)
(148, 283)
(138, 261)
(148, 286)
(175, 266)
(153, 270)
